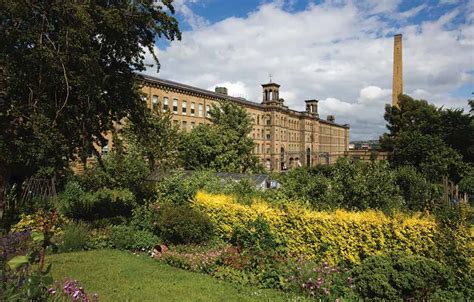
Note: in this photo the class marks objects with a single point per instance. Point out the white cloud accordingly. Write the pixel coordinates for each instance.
(194, 20)
(237, 89)
(338, 53)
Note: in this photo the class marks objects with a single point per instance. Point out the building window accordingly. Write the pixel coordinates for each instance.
(175, 105)
(208, 109)
(183, 108)
(184, 125)
(192, 108)
(200, 110)
(154, 101)
(268, 136)
(269, 121)
(193, 125)
(165, 104)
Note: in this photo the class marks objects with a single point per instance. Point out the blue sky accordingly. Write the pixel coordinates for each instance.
(337, 51)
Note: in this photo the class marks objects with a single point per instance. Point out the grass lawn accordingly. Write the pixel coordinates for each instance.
(122, 276)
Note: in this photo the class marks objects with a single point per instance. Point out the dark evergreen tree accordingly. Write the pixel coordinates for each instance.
(436, 141)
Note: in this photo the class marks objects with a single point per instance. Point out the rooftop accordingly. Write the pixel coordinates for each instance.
(221, 96)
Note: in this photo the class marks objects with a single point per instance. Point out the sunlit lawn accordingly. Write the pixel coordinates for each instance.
(122, 276)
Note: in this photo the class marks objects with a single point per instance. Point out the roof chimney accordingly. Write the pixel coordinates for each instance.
(221, 90)
(331, 118)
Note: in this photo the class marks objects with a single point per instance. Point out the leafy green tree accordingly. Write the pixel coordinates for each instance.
(458, 132)
(68, 75)
(434, 140)
(361, 186)
(225, 145)
(416, 190)
(429, 154)
(305, 185)
(155, 138)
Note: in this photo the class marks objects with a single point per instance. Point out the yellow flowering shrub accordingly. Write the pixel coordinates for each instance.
(330, 236)
(41, 220)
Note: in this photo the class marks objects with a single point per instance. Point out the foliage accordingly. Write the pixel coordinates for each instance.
(260, 253)
(76, 203)
(466, 185)
(75, 238)
(225, 145)
(455, 239)
(256, 236)
(180, 224)
(119, 170)
(401, 277)
(429, 154)
(19, 254)
(155, 138)
(434, 140)
(99, 238)
(364, 186)
(144, 217)
(335, 237)
(320, 281)
(180, 188)
(348, 185)
(303, 184)
(415, 189)
(39, 221)
(69, 74)
(125, 237)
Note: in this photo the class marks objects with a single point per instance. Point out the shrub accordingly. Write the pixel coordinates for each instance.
(349, 185)
(364, 186)
(312, 188)
(120, 171)
(320, 281)
(334, 237)
(144, 217)
(255, 235)
(76, 203)
(466, 185)
(180, 188)
(398, 276)
(75, 238)
(414, 188)
(180, 224)
(455, 239)
(38, 220)
(127, 238)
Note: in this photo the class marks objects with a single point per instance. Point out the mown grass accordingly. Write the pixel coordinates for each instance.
(121, 276)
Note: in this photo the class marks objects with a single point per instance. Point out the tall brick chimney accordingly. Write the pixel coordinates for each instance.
(397, 86)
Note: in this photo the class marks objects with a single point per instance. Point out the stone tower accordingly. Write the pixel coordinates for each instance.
(397, 86)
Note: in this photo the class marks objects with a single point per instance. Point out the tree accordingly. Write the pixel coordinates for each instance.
(434, 140)
(225, 145)
(155, 138)
(69, 76)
